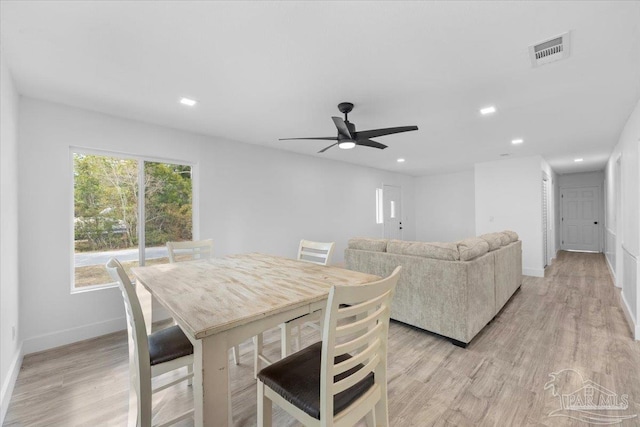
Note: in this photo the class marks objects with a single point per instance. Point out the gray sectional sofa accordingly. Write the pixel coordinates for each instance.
(452, 289)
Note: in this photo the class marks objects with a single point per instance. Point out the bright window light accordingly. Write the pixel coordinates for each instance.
(400, 160)
(379, 215)
(517, 141)
(188, 102)
(578, 160)
(488, 110)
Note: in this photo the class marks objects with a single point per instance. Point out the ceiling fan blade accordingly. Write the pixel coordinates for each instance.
(326, 148)
(370, 143)
(342, 127)
(324, 138)
(366, 134)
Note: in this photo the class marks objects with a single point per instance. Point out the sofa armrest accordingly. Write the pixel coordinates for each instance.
(508, 261)
(431, 294)
(481, 295)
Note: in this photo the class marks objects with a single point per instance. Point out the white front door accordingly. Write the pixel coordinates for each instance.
(580, 222)
(392, 213)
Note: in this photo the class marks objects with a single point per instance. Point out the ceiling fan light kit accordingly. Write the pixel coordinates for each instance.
(346, 145)
(348, 137)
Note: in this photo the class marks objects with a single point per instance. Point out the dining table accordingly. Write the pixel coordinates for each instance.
(222, 302)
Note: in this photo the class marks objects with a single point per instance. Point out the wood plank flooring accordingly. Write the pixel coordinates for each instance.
(570, 319)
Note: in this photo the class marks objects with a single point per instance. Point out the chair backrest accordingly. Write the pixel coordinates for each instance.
(315, 252)
(196, 249)
(356, 323)
(139, 361)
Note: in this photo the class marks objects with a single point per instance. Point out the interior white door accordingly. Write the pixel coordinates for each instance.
(392, 212)
(580, 223)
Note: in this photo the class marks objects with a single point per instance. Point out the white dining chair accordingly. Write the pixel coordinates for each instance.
(316, 253)
(343, 378)
(192, 250)
(150, 355)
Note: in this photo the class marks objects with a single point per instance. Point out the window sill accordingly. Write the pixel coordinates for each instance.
(92, 288)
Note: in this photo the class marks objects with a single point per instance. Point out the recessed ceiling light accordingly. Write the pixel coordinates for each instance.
(488, 110)
(400, 160)
(578, 160)
(517, 141)
(188, 102)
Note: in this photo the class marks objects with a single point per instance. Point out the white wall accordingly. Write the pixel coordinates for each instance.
(508, 196)
(251, 199)
(583, 179)
(10, 347)
(445, 207)
(624, 223)
(259, 199)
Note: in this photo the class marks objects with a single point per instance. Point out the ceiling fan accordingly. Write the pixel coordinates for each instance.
(348, 137)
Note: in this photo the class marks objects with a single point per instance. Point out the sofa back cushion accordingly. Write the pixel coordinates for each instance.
(504, 238)
(513, 236)
(434, 250)
(493, 239)
(472, 247)
(368, 244)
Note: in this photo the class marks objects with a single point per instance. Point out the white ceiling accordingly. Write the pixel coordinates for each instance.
(267, 70)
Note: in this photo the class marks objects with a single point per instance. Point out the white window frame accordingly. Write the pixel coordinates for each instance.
(195, 211)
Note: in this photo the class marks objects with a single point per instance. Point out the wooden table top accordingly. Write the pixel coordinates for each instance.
(208, 297)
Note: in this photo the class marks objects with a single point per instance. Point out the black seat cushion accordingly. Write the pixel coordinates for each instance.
(168, 344)
(297, 379)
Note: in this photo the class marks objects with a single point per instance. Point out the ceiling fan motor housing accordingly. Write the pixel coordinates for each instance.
(352, 131)
(345, 107)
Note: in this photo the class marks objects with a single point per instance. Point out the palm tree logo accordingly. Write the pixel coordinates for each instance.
(584, 400)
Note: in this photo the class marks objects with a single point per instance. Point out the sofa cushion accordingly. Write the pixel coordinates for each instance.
(396, 246)
(493, 239)
(368, 244)
(472, 247)
(504, 238)
(434, 250)
(512, 235)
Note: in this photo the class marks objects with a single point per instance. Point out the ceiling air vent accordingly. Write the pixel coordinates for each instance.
(551, 50)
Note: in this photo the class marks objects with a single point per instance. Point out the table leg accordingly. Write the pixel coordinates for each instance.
(197, 383)
(216, 406)
(146, 304)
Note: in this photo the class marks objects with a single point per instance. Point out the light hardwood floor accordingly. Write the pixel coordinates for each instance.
(570, 319)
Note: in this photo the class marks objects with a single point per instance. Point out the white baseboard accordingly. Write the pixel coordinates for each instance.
(635, 329)
(68, 336)
(9, 383)
(535, 272)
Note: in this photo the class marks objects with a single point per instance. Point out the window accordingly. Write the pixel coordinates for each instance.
(108, 206)
(379, 207)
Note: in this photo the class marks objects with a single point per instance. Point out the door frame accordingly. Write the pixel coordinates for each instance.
(619, 211)
(600, 224)
(549, 250)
